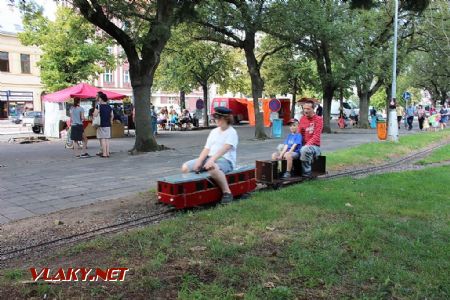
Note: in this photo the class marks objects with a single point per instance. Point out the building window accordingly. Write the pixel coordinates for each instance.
(25, 63)
(126, 76)
(108, 76)
(172, 100)
(110, 50)
(4, 61)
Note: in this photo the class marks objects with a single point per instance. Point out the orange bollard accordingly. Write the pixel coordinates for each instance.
(381, 130)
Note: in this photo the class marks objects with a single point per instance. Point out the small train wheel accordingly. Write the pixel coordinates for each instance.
(277, 186)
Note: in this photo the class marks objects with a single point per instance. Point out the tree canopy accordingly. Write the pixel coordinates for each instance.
(71, 50)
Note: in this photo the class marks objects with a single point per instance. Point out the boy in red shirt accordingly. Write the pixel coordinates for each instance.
(310, 127)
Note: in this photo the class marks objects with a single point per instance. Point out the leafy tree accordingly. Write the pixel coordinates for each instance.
(289, 71)
(319, 29)
(187, 63)
(71, 51)
(338, 39)
(371, 50)
(239, 24)
(430, 64)
(142, 28)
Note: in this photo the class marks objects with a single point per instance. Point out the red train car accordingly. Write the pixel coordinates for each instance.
(191, 190)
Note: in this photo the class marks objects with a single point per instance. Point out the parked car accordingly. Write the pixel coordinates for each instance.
(347, 106)
(34, 119)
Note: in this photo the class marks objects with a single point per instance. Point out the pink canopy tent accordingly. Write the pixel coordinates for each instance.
(82, 91)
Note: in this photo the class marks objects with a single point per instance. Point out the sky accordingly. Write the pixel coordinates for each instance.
(9, 18)
(49, 7)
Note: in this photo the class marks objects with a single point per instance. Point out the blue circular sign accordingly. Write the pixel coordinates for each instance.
(406, 95)
(274, 105)
(199, 104)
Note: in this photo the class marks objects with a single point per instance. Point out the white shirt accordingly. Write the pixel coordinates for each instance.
(218, 138)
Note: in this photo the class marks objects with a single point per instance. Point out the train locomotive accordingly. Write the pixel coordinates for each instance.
(196, 189)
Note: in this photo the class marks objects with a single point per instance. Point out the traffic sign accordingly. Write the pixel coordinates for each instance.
(406, 95)
(199, 104)
(274, 105)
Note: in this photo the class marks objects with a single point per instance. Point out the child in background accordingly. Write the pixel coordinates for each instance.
(434, 122)
(290, 149)
(426, 124)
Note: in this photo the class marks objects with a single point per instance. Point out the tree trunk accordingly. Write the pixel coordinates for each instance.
(183, 99)
(257, 84)
(328, 93)
(145, 141)
(205, 102)
(443, 96)
(294, 98)
(364, 101)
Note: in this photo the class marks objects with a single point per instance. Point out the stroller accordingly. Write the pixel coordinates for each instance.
(68, 144)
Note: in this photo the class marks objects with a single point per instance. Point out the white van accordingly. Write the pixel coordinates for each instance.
(347, 106)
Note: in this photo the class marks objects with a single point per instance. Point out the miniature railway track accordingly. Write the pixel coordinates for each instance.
(165, 214)
(374, 169)
(87, 235)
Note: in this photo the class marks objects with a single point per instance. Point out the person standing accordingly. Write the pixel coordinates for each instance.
(154, 119)
(410, 111)
(310, 127)
(106, 119)
(76, 130)
(421, 114)
(319, 110)
(400, 113)
(445, 112)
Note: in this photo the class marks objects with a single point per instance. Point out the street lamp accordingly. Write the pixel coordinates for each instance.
(393, 124)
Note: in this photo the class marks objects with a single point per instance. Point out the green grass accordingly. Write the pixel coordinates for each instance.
(381, 237)
(440, 155)
(379, 152)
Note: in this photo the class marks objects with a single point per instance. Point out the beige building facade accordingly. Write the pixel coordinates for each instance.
(20, 83)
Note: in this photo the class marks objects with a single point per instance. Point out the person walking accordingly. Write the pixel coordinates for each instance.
(410, 111)
(106, 119)
(76, 129)
(400, 113)
(421, 114)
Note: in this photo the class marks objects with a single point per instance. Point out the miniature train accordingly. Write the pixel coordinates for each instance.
(193, 190)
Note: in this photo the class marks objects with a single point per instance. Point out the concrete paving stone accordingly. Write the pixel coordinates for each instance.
(12, 209)
(4, 220)
(18, 214)
(66, 186)
(66, 205)
(44, 210)
(5, 204)
(46, 197)
(32, 206)
(24, 201)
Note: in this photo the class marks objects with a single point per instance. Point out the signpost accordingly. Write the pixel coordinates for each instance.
(406, 96)
(199, 104)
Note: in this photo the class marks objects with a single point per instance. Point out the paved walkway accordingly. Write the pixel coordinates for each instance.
(44, 177)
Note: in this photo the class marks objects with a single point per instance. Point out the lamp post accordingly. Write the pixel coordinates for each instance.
(393, 125)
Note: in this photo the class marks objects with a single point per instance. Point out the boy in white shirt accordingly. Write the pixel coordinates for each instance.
(218, 157)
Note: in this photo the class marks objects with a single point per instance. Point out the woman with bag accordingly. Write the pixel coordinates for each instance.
(76, 129)
(106, 118)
